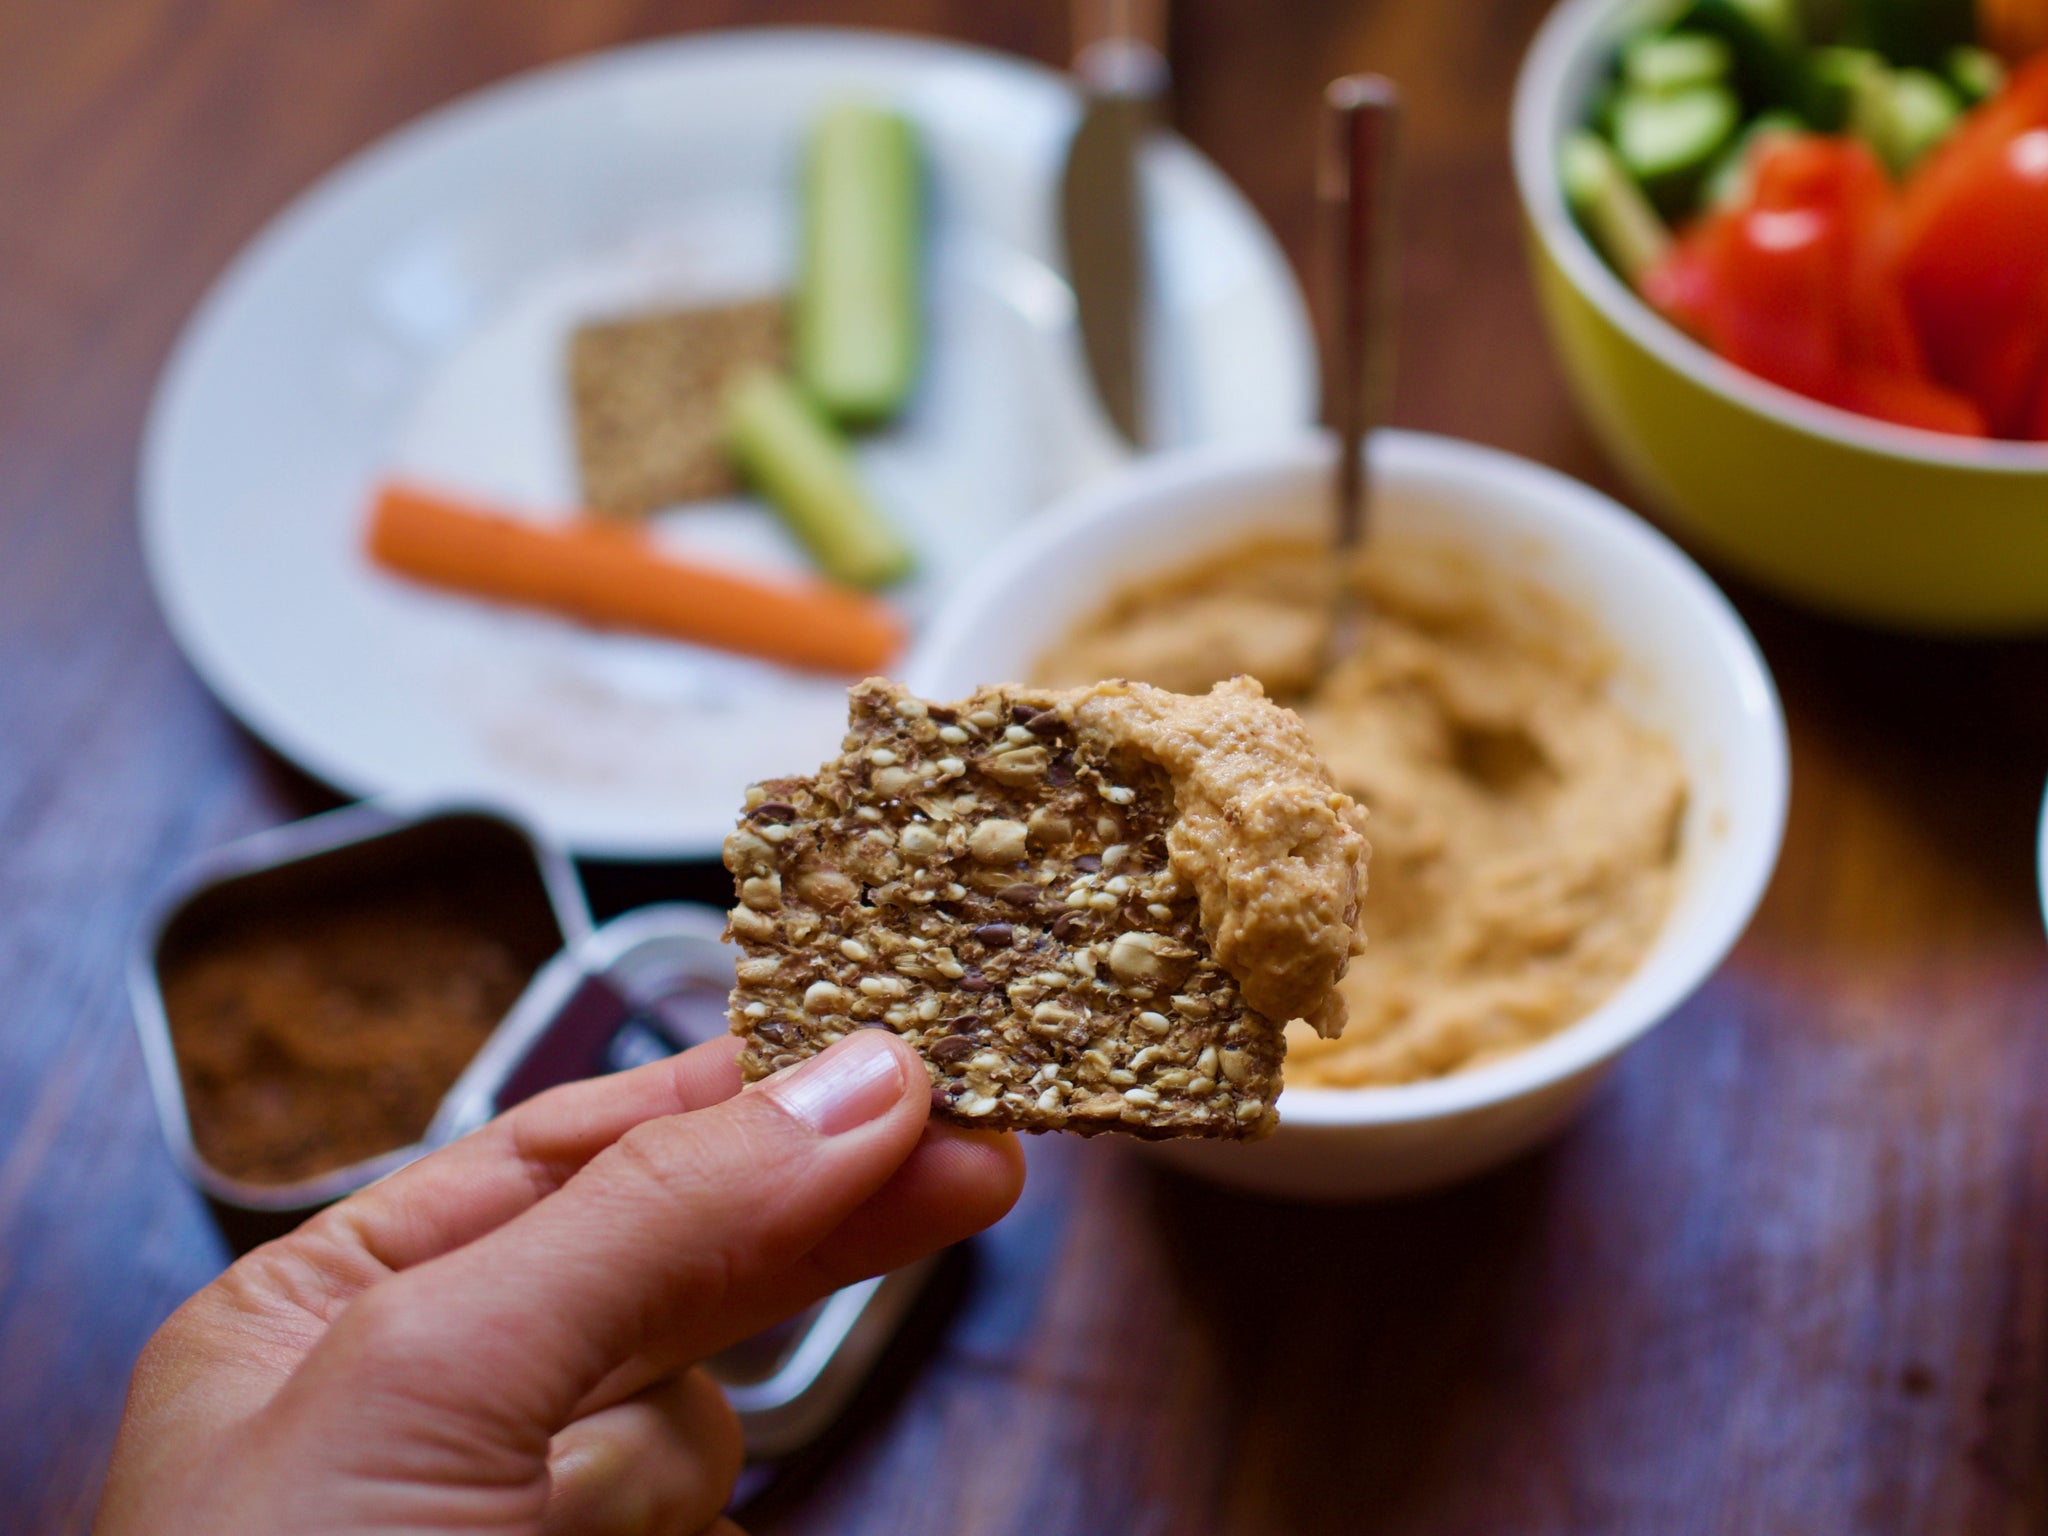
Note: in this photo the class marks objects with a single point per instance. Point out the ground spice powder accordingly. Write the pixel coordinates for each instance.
(318, 1030)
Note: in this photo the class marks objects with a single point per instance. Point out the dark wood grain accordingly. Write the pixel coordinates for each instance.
(1790, 1275)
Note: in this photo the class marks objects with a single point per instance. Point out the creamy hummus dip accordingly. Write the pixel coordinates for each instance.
(1525, 828)
(1274, 852)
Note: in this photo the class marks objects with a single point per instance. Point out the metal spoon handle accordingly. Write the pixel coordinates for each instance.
(1355, 189)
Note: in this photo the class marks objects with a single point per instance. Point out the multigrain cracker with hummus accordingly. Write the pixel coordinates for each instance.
(1089, 910)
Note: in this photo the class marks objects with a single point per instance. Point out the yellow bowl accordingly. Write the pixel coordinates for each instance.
(1886, 524)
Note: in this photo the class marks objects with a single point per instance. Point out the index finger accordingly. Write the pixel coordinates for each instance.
(475, 1185)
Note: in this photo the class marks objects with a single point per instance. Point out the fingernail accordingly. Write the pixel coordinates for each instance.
(847, 1086)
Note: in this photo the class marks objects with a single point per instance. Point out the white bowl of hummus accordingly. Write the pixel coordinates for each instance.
(1571, 751)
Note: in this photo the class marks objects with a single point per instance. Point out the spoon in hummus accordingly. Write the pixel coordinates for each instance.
(1355, 193)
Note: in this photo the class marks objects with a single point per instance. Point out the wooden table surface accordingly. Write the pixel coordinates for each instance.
(1790, 1274)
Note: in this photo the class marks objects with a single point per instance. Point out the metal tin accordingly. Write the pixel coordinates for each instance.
(355, 838)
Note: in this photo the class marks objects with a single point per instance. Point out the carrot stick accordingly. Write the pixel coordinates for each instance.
(612, 577)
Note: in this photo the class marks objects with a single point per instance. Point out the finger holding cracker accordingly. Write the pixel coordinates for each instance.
(1087, 910)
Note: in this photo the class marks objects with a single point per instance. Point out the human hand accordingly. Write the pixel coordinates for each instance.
(501, 1337)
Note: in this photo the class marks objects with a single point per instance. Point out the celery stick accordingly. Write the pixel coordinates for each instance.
(1612, 209)
(790, 452)
(857, 320)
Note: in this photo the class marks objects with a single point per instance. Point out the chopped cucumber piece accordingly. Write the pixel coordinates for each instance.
(1673, 61)
(1836, 79)
(1728, 184)
(1610, 207)
(857, 322)
(790, 452)
(1668, 143)
(1976, 73)
(1765, 37)
(1916, 112)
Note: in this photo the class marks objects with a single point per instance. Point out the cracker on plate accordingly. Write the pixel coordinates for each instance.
(647, 393)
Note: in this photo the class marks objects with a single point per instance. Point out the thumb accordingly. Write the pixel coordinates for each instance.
(650, 1249)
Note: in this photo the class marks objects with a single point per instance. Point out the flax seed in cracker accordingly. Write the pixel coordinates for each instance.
(993, 881)
(647, 396)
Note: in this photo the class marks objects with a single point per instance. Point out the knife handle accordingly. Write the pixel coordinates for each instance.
(1118, 21)
(1355, 191)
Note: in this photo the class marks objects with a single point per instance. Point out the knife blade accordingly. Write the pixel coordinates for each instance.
(1123, 78)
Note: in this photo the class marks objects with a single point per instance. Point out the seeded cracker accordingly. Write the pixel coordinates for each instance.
(993, 882)
(647, 393)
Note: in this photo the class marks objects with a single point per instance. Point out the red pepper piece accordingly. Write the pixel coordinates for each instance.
(1911, 402)
(1974, 252)
(1798, 285)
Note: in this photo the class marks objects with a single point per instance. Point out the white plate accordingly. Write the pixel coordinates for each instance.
(408, 313)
